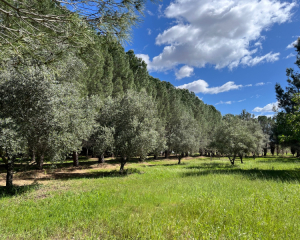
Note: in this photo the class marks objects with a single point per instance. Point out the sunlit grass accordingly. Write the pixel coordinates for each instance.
(200, 199)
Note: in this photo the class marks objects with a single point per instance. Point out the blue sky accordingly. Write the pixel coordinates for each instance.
(231, 53)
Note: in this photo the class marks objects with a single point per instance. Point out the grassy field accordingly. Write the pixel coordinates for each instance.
(200, 199)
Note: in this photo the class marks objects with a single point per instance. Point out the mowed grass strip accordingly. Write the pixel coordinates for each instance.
(200, 199)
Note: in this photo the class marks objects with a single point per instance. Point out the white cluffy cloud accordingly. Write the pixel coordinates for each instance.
(260, 84)
(224, 33)
(200, 86)
(268, 108)
(290, 55)
(183, 72)
(292, 45)
(149, 31)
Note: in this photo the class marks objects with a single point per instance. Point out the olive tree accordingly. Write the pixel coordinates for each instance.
(11, 144)
(236, 137)
(133, 117)
(185, 136)
(50, 115)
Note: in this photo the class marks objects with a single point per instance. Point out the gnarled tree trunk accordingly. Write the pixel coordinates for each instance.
(123, 162)
(101, 158)
(179, 158)
(9, 174)
(293, 151)
(241, 157)
(265, 151)
(75, 159)
(40, 161)
(232, 160)
(87, 152)
(167, 154)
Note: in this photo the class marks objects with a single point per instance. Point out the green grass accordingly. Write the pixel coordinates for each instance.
(200, 199)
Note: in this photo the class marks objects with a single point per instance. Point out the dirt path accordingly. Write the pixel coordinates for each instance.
(47, 176)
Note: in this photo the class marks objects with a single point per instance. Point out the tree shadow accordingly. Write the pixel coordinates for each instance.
(18, 190)
(213, 165)
(167, 165)
(252, 174)
(75, 175)
(280, 160)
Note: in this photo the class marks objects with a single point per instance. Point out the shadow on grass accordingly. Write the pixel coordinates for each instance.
(213, 165)
(76, 175)
(18, 190)
(167, 165)
(280, 160)
(252, 174)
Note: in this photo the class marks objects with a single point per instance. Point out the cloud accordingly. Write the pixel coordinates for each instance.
(242, 100)
(258, 44)
(292, 45)
(159, 9)
(218, 32)
(250, 61)
(260, 84)
(221, 102)
(248, 85)
(183, 72)
(150, 13)
(145, 58)
(200, 86)
(149, 31)
(290, 55)
(268, 108)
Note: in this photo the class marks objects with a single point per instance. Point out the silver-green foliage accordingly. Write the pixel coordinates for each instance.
(50, 115)
(133, 121)
(11, 143)
(236, 137)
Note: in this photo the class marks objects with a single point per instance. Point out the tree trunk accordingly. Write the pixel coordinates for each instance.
(142, 159)
(93, 152)
(272, 150)
(9, 175)
(87, 152)
(75, 159)
(179, 159)
(241, 157)
(298, 154)
(293, 151)
(101, 158)
(167, 154)
(123, 162)
(187, 154)
(32, 156)
(155, 157)
(265, 151)
(40, 161)
(231, 160)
